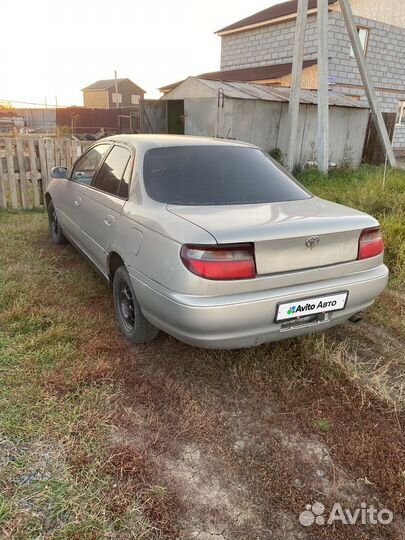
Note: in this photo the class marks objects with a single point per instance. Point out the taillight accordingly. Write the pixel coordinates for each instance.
(370, 243)
(220, 262)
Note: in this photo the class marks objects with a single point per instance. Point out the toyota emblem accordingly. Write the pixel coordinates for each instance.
(312, 242)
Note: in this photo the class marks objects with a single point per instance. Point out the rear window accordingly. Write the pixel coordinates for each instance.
(216, 175)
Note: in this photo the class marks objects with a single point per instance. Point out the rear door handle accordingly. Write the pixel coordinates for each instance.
(78, 201)
(109, 221)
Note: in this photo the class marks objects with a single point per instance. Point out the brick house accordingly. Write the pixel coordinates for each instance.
(101, 94)
(259, 48)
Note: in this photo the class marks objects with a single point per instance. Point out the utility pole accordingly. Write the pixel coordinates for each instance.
(323, 87)
(370, 92)
(294, 103)
(43, 115)
(116, 89)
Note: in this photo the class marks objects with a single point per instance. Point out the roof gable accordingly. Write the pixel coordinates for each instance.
(106, 84)
(274, 12)
(260, 73)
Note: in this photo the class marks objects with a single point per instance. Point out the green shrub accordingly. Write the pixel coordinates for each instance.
(277, 154)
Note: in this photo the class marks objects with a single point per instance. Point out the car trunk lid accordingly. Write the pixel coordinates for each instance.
(287, 236)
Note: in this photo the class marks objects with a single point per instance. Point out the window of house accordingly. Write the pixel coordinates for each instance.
(363, 35)
(116, 98)
(85, 168)
(109, 177)
(401, 113)
(134, 99)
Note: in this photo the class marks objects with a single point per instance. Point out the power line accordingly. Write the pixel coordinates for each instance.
(45, 105)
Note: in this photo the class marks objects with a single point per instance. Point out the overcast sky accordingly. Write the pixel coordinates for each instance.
(54, 48)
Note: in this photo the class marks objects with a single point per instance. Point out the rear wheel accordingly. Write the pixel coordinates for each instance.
(55, 229)
(131, 320)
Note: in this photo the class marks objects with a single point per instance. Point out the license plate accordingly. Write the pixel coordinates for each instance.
(311, 306)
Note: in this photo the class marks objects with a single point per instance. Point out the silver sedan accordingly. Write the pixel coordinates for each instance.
(213, 242)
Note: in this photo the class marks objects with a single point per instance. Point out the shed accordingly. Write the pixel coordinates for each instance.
(259, 114)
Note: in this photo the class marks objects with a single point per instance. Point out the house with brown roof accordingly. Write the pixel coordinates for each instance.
(261, 45)
(259, 49)
(260, 68)
(102, 94)
(275, 75)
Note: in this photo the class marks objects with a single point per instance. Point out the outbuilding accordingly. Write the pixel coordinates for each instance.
(259, 114)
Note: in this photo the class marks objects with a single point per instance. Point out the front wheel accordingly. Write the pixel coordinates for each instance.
(130, 318)
(55, 229)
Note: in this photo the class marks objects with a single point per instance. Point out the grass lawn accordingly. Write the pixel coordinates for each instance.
(103, 440)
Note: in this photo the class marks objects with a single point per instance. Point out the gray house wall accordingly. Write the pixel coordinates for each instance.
(399, 137)
(266, 45)
(385, 56)
(126, 88)
(385, 59)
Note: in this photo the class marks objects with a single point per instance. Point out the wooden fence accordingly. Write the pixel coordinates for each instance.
(25, 168)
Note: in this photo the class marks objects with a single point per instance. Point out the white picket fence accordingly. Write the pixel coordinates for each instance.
(25, 168)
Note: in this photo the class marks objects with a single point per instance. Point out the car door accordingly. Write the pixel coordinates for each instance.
(71, 194)
(103, 201)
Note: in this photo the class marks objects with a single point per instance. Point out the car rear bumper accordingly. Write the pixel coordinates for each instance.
(246, 320)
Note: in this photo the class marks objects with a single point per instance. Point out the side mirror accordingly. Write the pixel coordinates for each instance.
(59, 172)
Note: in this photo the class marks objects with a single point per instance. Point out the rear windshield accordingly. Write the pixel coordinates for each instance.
(216, 175)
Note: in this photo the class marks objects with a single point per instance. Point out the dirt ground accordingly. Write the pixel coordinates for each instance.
(243, 448)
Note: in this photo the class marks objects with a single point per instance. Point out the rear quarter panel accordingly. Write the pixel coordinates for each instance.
(149, 240)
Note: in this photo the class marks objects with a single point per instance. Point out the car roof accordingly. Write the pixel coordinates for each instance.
(147, 141)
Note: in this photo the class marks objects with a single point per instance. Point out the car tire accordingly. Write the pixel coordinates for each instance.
(55, 229)
(135, 327)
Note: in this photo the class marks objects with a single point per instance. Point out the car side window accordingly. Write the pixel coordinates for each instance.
(112, 170)
(126, 180)
(85, 168)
